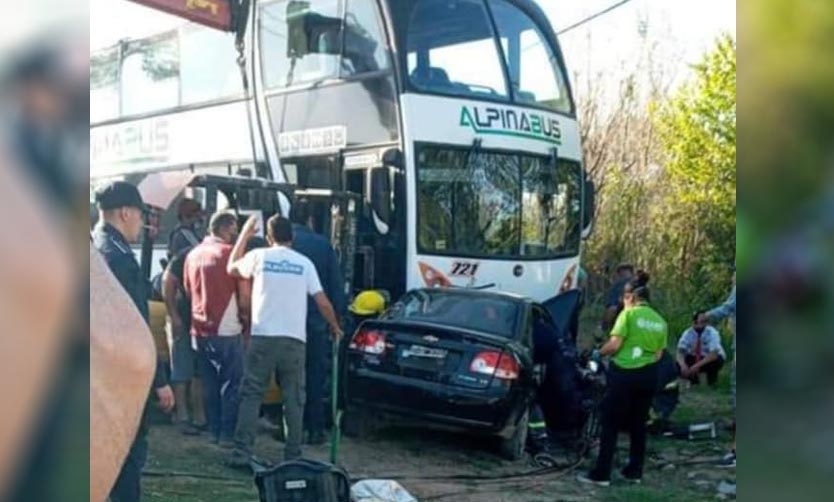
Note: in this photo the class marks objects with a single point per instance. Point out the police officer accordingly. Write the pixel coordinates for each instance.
(319, 251)
(120, 223)
(636, 344)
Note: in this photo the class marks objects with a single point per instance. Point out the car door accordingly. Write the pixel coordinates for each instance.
(562, 308)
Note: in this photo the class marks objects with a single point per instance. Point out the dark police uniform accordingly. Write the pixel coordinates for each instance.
(319, 251)
(116, 251)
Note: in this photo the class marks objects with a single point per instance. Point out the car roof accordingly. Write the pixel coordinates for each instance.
(477, 294)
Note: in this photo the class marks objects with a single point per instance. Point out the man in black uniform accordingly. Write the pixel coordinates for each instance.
(319, 251)
(120, 223)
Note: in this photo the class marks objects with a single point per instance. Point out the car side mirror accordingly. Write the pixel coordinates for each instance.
(311, 33)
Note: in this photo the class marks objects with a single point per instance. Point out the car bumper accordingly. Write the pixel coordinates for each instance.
(494, 410)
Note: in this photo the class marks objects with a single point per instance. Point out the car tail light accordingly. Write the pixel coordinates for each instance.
(368, 341)
(500, 364)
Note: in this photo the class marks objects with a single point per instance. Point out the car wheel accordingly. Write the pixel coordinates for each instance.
(513, 447)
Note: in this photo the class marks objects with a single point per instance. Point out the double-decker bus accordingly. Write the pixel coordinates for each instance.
(451, 120)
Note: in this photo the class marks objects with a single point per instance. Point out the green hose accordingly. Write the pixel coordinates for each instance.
(335, 432)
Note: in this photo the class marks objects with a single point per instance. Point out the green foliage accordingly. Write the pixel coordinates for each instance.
(697, 131)
(674, 214)
(698, 136)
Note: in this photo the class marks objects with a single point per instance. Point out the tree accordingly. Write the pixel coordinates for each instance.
(697, 132)
(665, 165)
(621, 154)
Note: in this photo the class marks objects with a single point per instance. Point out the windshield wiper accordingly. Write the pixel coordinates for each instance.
(475, 148)
(549, 220)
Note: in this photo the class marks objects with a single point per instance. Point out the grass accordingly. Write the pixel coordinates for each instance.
(651, 494)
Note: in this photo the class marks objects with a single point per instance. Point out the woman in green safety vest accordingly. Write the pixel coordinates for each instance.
(636, 343)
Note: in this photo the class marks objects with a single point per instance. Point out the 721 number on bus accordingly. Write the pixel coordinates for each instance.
(464, 269)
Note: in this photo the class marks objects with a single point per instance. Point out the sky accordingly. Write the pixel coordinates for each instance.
(679, 30)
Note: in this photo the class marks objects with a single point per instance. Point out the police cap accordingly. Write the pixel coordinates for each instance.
(118, 194)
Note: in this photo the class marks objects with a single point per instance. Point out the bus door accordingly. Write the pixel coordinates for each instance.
(380, 247)
(335, 214)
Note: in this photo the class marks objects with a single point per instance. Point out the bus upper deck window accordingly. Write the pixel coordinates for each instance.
(104, 84)
(451, 50)
(536, 74)
(150, 74)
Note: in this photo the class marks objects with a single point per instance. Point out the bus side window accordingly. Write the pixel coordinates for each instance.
(364, 49)
(299, 41)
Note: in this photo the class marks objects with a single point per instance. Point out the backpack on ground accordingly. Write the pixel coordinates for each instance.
(303, 480)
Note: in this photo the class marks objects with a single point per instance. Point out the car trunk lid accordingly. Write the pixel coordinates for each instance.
(429, 352)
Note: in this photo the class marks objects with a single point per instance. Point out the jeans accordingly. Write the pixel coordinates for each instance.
(286, 357)
(183, 360)
(128, 485)
(221, 368)
(626, 406)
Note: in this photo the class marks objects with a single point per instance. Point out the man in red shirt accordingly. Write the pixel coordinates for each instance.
(219, 306)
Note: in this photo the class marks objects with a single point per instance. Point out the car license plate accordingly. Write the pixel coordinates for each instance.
(426, 352)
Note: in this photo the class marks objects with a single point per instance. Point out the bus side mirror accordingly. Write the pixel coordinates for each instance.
(393, 157)
(588, 208)
(381, 194)
(311, 33)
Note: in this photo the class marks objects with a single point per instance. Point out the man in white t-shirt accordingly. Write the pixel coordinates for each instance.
(282, 282)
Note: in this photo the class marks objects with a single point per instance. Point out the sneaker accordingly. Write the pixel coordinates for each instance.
(729, 461)
(266, 424)
(630, 478)
(238, 460)
(226, 443)
(592, 479)
(187, 429)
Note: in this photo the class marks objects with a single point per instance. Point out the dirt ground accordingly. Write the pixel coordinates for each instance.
(188, 469)
(676, 470)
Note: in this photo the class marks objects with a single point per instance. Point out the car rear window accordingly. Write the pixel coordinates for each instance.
(495, 316)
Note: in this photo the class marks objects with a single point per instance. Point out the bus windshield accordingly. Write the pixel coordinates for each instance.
(454, 48)
(497, 205)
